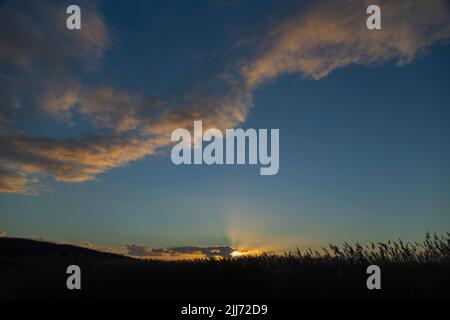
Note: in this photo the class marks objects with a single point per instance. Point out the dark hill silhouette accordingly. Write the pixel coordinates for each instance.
(36, 269)
(20, 248)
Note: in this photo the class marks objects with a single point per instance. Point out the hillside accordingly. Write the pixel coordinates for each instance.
(20, 248)
(34, 269)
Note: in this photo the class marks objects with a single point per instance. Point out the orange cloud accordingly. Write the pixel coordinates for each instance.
(16, 182)
(178, 253)
(333, 34)
(128, 126)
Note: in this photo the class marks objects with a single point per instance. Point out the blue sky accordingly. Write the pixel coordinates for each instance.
(364, 147)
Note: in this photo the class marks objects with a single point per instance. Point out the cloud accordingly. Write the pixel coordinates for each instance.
(33, 34)
(179, 252)
(141, 126)
(82, 159)
(332, 34)
(125, 126)
(122, 111)
(39, 57)
(2, 233)
(86, 244)
(16, 182)
(209, 252)
(45, 74)
(140, 251)
(76, 160)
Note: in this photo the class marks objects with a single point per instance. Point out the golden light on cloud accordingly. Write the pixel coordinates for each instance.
(236, 254)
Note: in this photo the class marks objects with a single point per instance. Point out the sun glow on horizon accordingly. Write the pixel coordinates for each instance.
(236, 254)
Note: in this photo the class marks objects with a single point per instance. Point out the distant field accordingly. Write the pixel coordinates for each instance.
(33, 269)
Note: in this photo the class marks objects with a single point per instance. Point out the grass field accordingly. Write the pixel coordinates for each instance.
(32, 269)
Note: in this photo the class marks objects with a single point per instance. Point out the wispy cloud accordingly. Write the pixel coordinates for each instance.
(33, 34)
(86, 244)
(127, 126)
(179, 252)
(16, 182)
(332, 34)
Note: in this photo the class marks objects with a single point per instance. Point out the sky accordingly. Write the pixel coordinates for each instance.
(86, 117)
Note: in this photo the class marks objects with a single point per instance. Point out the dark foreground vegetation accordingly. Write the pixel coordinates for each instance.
(32, 269)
